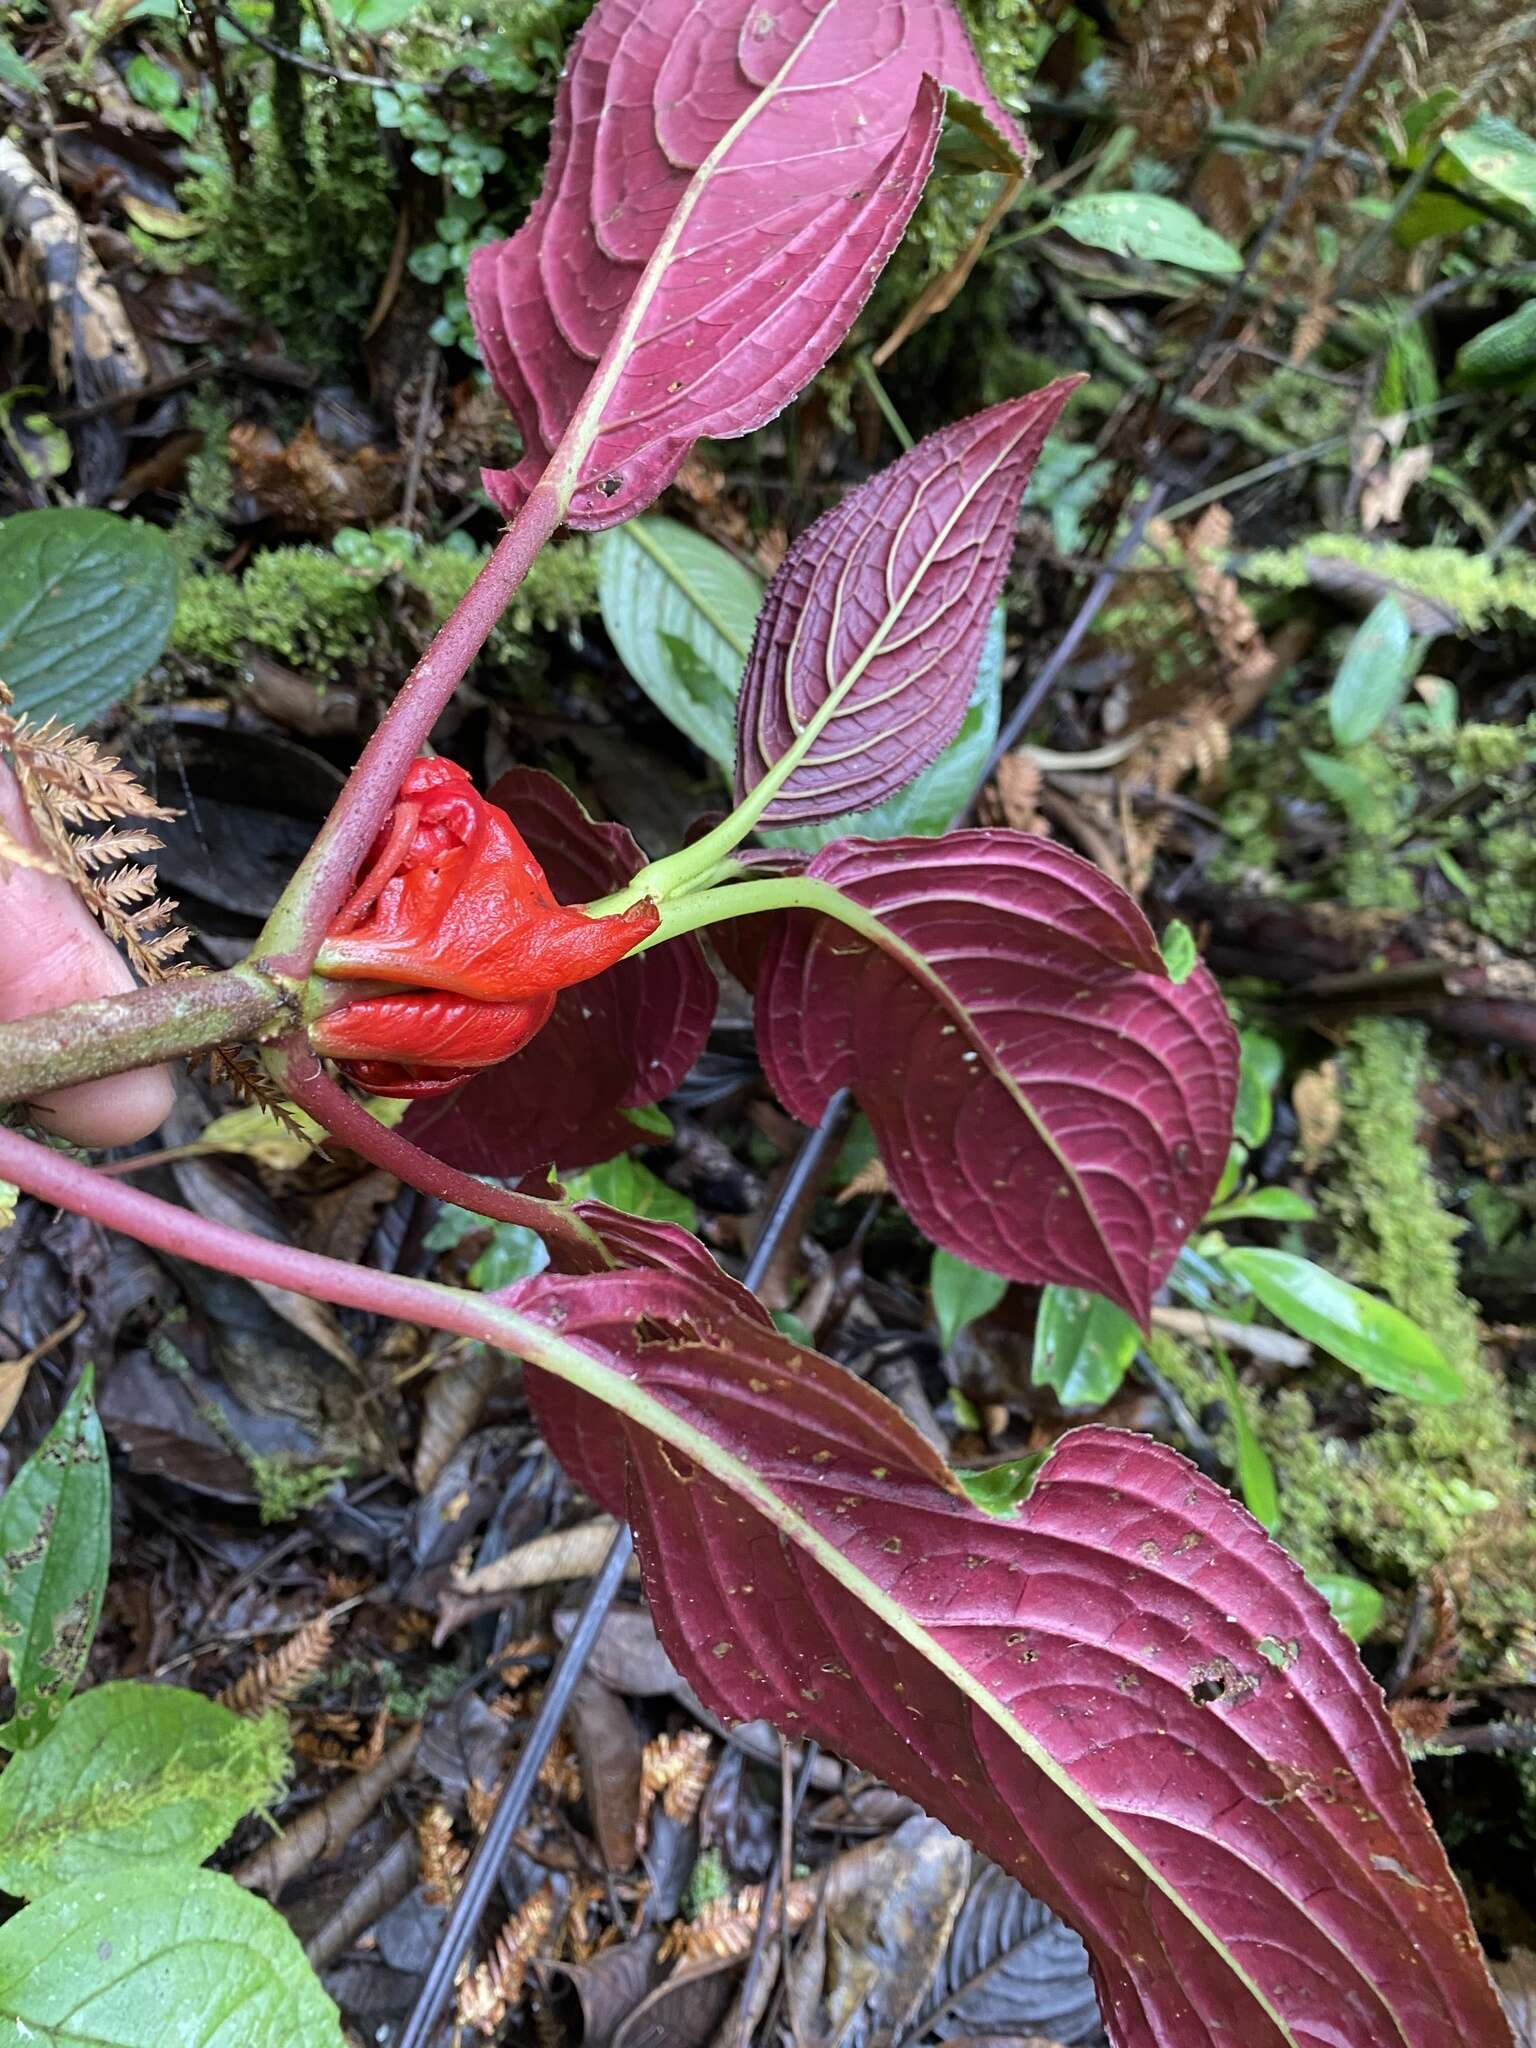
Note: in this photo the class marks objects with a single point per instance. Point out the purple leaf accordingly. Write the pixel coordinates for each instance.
(1047, 1103)
(1123, 1693)
(725, 183)
(616, 1043)
(871, 632)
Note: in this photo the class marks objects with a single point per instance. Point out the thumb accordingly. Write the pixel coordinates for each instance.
(53, 952)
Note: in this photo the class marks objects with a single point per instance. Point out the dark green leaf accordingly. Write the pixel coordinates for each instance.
(961, 1293)
(1264, 1205)
(624, 1183)
(1258, 1077)
(1255, 1474)
(1357, 1607)
(55, 1545)
(1346, 785)
(1374, 675)
(86, 604)
(183, 1957)
(1148, 227)
(1375, 1339)
(1083, 1346)
(132, 1771)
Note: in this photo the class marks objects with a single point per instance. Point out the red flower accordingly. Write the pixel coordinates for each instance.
(455, 913)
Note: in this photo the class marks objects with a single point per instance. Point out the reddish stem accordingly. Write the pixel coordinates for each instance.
(577, 1248)
(53, 1178)
(320, 886)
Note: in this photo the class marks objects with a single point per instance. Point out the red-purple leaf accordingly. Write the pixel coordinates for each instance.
(725, 182)
(1047, 1103)
(616, 1043)
(1124, 1693)
(870, 635)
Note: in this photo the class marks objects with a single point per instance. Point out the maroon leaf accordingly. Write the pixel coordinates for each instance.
(1124, 1693)
(725, 183)
(1047, 1103)
(616, 1043)
(871, 632)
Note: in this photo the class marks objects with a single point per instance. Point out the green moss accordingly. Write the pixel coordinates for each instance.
(304, 246)
(320, 613)
(1478, 588)
(1505, 903)
(286, 1486)
(299, 604)
(1427, 1487)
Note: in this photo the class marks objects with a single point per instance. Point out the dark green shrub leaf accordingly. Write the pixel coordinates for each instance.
(1083, 1346)
(1258, 1076)
(1375, 1339)
(55, 1545)
(1255, 1474)
(185, 1958)
(132, 1771)
(87, 600)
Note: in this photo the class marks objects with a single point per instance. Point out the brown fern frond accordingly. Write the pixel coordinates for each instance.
(1188, 61)
(675, 1769)
(443, 1857)
(273, 1680)
(491, 1990)
(20, 856)
(725, 1928)
(85, 784)
(117, 842)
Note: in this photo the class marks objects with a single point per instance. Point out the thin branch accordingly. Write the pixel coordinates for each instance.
(334, 72)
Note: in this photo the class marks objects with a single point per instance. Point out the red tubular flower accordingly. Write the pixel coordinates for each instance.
(454, 910)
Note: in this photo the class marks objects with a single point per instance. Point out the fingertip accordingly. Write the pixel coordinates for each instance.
(117, 1111)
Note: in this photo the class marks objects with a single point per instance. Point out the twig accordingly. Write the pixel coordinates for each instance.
(1310, 157)
(329, 1826)
(383, 1885)
(335, 72)
(778, 1877)
(418, 450)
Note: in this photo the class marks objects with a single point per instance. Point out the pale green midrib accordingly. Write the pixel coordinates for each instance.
(779, 772)
(636, 531)
(568, 1361)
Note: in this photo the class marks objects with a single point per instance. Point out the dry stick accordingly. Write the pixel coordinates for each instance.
(334, 72)
(380, 1887)
(778, 1876)
(328, 1826)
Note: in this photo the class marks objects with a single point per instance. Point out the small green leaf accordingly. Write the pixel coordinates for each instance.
(1263, 1205)
(15, 70)
(1357, 1607)
(55, 1545)
(961, 1294)
(1346, 785)
(1373, 1338)
(1255, 1474)
(87, 600)
(624, 1183)
(1504, 353)
(1148, 227)
(1258, 1076)
(132, 1771)
(1083, 1346)
(514, 1253)
(184, 1956)
(681, 611)
(1499, 156)
(1000, 1489)
(1373, 677)
(1177, 946)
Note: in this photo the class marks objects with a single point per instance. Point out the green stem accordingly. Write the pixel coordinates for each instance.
(754, 899)
(115, 1034)
(883, 399)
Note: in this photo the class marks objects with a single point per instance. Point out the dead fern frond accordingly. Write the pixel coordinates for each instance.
(675, 1769)
(272, 1681)
(1188, 62)
(725, 1928)
(442, 1856)
(491, 1990)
